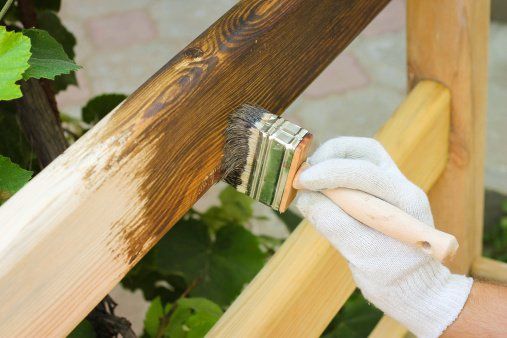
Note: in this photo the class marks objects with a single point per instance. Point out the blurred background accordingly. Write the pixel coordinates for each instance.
(122, 42)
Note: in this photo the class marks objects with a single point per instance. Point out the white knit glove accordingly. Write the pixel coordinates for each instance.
(403, 281)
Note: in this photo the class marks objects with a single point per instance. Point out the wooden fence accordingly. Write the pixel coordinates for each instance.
(77, 228)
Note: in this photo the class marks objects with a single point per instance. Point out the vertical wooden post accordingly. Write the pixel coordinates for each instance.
(448, 42)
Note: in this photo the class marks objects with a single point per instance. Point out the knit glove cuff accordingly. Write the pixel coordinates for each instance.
(426, 303)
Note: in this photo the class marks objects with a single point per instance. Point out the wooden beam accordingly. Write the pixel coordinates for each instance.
(74, 231)
(448, 42)
(388, 328)
(489, 269)
(307, 281)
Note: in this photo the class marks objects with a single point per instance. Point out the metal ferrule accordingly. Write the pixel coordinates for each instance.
(277, 142)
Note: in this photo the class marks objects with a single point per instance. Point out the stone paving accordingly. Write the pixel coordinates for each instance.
(122, 42)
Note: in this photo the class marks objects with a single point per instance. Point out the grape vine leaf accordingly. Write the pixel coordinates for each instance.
(289, 218)
(152, 318)
(48, 56)
(14, 55)
(190, 318)
(356, 319)
(83, 330)
(100, 106)
(50, 22)
(222, 266)
(236, 208)
(12, 178)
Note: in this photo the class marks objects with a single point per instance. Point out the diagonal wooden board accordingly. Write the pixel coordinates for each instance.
(75, 230)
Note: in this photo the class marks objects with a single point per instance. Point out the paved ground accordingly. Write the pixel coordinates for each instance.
(122, 42)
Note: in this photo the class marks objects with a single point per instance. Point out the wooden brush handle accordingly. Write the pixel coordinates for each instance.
(392, 221)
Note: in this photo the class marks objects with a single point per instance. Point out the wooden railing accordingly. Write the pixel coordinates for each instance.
(76, 229)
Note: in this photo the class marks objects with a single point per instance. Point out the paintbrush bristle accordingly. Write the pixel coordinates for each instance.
(241, 139)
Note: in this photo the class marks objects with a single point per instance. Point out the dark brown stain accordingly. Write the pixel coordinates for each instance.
(265, 52)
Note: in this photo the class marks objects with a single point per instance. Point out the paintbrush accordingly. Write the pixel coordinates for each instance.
(263, 155)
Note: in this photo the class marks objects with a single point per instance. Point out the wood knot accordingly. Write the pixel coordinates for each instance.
(194, 52)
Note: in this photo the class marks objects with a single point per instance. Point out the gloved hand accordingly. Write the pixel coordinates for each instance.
(403, 281)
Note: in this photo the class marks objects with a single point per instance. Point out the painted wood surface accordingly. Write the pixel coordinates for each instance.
(307, 281)
(74, 231)
(448, 42)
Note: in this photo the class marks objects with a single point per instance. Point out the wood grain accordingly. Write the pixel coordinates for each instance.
(73, 232)
(307, 281)
(388, 328)
(489, 270)
(448, 42)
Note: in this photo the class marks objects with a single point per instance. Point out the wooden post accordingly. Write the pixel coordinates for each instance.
(307, 281)
(75, 230)
(448, 42)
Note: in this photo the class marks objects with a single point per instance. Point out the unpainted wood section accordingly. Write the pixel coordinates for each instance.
(71, 234)
(388, 328)
(307, 281)
(448, 42)
(488, 269)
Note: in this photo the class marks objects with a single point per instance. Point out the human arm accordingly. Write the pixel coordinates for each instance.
(483, 315)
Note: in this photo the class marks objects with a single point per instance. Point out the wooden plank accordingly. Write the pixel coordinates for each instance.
(448, 42)
(74, 231)
(388, 328)
(489, 269)
(306, 282)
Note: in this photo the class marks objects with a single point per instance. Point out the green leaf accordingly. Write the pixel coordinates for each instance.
(61, 82)
(235, 209)
(190, 318)
(83, 330)
(147, 277)
(49, 21)
(235, 259)
(238, 206)
(12, 178)
(356, 319)
(204, 314)
(152, 318)
(48, 57)
(222, 267)
(100, 106)
(289, 218)
(14, 55)
(53, 5)
(184, 250)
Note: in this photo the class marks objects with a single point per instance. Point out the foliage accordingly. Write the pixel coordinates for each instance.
(495, 237)
(99, 106)
(48, 56)
(186, 318)
(209, 256)
(14, 55)
(12, 178)
(83, 330)
(356, 319)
